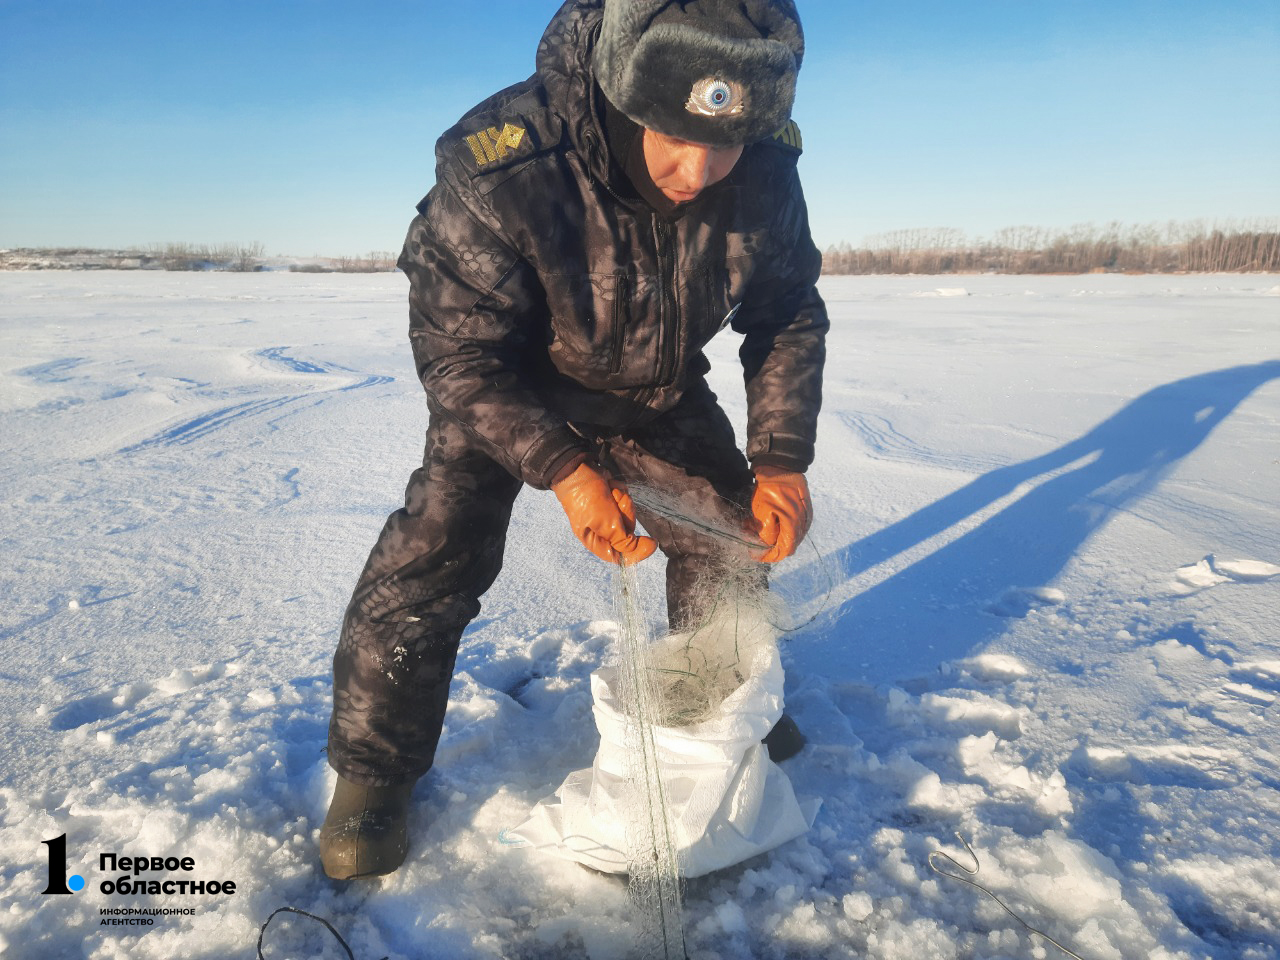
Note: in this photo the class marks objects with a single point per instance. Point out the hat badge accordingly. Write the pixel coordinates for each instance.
(715, 97)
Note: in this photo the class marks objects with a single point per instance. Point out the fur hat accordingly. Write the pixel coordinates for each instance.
(720, 72)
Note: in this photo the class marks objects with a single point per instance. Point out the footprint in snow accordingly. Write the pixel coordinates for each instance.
(108, 703)
(1264, 674)
(1017, 602)
(1211, 571)
(1237, 706)
(1239, 701)
(1248, 693)
(1247, 571)
(1173, 764)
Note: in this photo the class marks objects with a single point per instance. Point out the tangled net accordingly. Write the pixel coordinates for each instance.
(697, 670)
(679, 681)
(653, 865)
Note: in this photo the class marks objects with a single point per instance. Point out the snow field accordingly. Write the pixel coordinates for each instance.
(1045, 573)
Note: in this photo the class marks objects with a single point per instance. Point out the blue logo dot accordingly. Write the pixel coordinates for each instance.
(75, 882)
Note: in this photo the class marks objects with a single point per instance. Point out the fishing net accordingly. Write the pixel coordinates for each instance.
(652, 856)
(681, 784)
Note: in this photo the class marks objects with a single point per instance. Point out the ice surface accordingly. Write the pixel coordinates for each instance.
(1047, 543)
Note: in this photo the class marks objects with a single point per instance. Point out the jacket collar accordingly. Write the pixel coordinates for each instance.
(564, 67)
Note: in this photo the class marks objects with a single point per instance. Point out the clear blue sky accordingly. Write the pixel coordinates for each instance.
(308, 125)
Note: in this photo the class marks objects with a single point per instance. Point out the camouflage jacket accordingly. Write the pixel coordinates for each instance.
(541, 296)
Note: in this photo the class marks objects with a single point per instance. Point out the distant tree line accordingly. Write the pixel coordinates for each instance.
(1175, 247)
(234, 257)
(377, 262)
(167, 256)
(241, 258)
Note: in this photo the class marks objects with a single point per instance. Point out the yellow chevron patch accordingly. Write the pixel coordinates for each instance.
(789, 136)
(490, 146)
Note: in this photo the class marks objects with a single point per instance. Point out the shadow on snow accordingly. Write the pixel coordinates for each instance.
(946, 604)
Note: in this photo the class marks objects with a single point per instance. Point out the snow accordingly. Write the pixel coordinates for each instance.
(1050, 566)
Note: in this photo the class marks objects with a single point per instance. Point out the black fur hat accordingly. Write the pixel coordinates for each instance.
(720, 72)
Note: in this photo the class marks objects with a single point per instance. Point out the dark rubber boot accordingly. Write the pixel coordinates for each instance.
(785, 740)
(365, 833)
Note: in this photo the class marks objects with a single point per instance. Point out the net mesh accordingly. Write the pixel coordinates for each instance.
(678, 680)
(695, 671)
(653, 864)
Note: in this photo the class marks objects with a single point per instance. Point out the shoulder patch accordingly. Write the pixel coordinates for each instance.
(495, 147)
(491, 145)
(789, 137)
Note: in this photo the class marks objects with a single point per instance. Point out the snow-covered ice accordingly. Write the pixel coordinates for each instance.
(1047, 530)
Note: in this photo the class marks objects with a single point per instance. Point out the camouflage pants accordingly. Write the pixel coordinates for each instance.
(435, 558)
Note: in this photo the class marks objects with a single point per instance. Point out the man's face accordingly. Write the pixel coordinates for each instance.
(681, 169)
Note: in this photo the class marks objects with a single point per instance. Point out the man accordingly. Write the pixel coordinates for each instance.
(590, 230)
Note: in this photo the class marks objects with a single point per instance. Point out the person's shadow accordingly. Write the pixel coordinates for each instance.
(945, 605)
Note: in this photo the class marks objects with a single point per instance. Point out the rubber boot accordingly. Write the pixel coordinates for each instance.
(365, 833)
(785, 740)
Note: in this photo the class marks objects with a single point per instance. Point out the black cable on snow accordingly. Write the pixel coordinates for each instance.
(328, 926)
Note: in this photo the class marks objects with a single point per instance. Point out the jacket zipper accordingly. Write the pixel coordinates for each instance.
(619, 322)
(668, 318)
(669, 308)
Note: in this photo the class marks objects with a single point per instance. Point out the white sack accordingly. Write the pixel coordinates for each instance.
(728, 800)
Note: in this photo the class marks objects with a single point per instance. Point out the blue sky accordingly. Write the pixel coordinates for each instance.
(308, 125)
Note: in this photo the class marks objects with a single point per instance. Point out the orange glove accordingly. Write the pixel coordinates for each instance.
(603, 516)
(783, 509)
